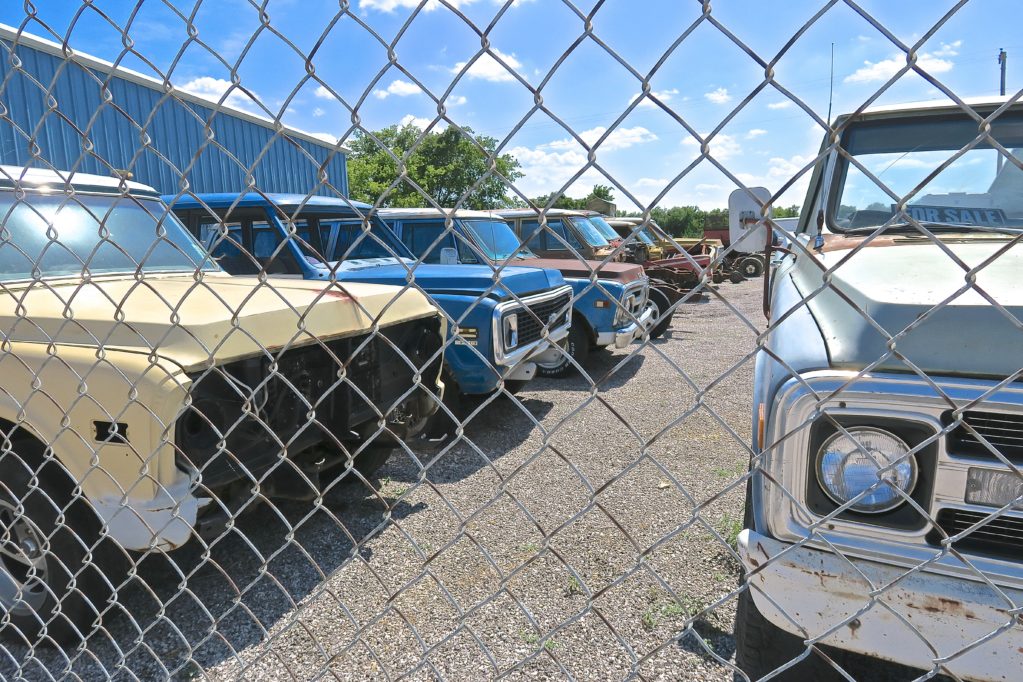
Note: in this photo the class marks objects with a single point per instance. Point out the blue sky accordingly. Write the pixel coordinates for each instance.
(702, 80)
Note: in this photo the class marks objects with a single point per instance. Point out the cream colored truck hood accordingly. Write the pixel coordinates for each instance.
(192, 324)
(898, 284)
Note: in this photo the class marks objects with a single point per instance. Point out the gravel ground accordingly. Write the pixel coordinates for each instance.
(573, 533)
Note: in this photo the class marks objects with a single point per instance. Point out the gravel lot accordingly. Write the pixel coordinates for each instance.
(601, 555)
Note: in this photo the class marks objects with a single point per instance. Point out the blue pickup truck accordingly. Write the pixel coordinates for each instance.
(609, 301)
(499, 325)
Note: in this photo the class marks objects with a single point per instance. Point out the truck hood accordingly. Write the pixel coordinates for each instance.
(470, 280)
(572, 267)
(899, 283)
(191, 324)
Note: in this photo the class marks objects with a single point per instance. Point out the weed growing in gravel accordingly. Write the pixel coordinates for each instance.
(729, 527)
(687, 607)
(574, 587)
(532, 638)
(529, 548)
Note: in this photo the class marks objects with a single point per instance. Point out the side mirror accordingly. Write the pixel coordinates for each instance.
(448, 256)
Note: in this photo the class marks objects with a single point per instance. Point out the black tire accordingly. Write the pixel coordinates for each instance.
(59, 536)
(717, 277)
(761, 647)
(751, 267)
(576, 345)
(735, 277)
(661, 305)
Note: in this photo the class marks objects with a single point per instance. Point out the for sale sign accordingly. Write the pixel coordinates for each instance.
(957, 215)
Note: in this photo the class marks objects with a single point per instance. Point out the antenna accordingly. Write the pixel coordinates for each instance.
(831, 84)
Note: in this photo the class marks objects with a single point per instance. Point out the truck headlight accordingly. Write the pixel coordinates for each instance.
(849, 465)
(510, 329)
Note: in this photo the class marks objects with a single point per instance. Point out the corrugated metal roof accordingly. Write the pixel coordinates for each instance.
(86, 114)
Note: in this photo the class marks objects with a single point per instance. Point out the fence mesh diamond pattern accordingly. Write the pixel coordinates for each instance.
(256, 429)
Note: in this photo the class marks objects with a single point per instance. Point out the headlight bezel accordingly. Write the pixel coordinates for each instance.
(902, 517)
(510, 324)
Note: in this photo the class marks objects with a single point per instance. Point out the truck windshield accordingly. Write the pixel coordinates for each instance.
(589, 233)
(605, 230)
(496, 239)
(976, 188)
(93, 235)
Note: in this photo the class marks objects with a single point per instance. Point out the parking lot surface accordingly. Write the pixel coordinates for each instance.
(572, 532)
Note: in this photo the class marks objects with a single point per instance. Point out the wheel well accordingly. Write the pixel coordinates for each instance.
(32, 450)
(579, 318)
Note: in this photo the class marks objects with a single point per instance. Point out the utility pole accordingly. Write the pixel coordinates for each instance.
(1002, 58)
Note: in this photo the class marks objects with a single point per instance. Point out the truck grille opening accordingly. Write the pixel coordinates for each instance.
(532, 323)
(1002, 431)
(1001, 537)
(303, 404)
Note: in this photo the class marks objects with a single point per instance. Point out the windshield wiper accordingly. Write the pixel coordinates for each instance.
(933, 226)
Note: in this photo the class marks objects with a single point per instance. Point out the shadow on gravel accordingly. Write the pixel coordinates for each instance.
(190, 607)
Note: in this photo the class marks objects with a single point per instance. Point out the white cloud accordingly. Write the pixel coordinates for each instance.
(318, 111)
(398, 88)
(664, 96)
(722, 147)
(719, 96)
(755, 133)
(391, 5)
(213, 89)
(620, 138)
(931, 62)
(323, 93)
(650, 182)
(326, 137)
(547, 171)
(456, 101)
(782, 104)
(489, 69)
(422, 123)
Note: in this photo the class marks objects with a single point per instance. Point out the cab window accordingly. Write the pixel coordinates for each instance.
(229, 251)
(265, 242)
(421, 238)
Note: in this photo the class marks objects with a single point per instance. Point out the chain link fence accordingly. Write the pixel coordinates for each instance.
(249, 434)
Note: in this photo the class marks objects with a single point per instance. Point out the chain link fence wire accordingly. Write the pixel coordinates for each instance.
(270, 476)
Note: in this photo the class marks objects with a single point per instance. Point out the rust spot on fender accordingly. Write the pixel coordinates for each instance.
(754, 562)
(760, 548)
(854, 625)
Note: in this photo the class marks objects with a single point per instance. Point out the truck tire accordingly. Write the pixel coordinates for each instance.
(735, 277)
(661, 306)
(440, 425)
(514, 387)
(761, 647)
(751, 267)
(46, 529)
(576, 345)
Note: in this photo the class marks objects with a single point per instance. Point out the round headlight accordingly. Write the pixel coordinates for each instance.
(849, 465)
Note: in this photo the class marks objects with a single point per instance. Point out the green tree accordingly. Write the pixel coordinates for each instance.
(605, 192)
(444, 164)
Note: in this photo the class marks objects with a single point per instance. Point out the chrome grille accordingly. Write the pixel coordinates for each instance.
(538, 316)
(1002, 431)
(1002, 536)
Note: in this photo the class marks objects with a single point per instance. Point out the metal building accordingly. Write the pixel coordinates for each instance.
(75, 111)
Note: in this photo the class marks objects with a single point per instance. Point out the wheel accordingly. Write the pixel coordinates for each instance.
(761, 647)
(576, 345)
(52, 585)
(751, 267)
(661, 305)
(717, 277)
(735, 277)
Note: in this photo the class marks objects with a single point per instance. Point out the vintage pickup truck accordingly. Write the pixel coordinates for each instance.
(609, 303)
(884, 513)
(500, 326)
(145, 394)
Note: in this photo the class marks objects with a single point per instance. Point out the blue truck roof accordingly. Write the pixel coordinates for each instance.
(285, 201)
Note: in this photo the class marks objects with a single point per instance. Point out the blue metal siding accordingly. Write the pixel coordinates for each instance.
(176, 133)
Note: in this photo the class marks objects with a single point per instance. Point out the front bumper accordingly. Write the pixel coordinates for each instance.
(162, 523)
(621, 338)
(919, 619)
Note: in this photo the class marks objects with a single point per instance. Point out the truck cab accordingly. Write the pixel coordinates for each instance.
(500, 323)
(563, 233)
(609, 302)
(884, 510)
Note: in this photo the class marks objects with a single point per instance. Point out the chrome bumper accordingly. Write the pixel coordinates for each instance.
(621, 338)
